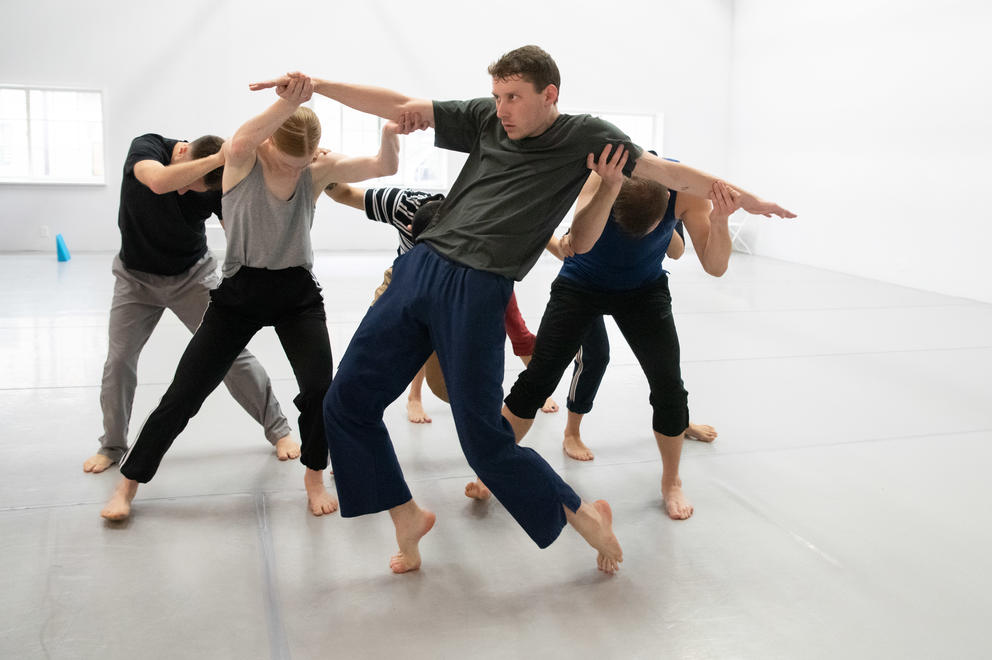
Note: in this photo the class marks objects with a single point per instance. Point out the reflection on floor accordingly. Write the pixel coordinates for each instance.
(837, 515)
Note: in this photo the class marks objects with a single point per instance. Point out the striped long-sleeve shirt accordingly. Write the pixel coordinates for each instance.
(396, 207)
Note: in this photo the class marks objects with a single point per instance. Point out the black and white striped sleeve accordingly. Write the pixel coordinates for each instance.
(395, 206)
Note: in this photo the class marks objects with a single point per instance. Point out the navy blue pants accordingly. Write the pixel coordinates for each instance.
(644, 316)
(435, 304)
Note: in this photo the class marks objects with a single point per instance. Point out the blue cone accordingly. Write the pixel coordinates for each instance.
(61, 249)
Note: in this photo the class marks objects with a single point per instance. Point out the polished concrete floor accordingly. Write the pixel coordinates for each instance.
(842, 513)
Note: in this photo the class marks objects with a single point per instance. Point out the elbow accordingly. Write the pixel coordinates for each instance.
(717, 270)
(159, 189)
(389, 169)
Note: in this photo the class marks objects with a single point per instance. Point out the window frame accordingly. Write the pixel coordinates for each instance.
(58, 180)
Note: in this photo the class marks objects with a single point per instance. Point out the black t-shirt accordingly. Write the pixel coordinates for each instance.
(161, 234)
(511, 194)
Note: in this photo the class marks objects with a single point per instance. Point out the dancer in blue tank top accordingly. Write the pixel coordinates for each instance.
(590, 366)
(622, 275)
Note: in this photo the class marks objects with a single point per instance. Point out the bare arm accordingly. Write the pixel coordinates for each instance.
(683, 178)
(604, 185)
(329, 167)
(676, 246)
(707, 224)
(342, 193)
(377, 101)
(240, 149)
(167, 178)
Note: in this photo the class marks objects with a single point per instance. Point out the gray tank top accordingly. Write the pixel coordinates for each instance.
(264, 231)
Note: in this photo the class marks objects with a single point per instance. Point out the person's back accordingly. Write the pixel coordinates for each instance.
(620, 261)
(163, 234)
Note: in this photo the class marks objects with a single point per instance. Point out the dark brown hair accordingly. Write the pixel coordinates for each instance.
(640, 204)
(530, 63)
(205, 146)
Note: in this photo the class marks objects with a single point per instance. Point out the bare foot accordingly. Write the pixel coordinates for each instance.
(700, 432)
(477, 490)
(97, 463)
(412, 523)
(575, 448)
(676, 504)
(321, 502)
(287, 448)
(595, 523)
(119, 505)
(415, 412)
(549, 406)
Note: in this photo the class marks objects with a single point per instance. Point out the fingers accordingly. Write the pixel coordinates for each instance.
(725, 199)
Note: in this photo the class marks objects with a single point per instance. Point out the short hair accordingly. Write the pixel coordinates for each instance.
(426, 214)
(640, 204)
(299, 135)
(530, 63)
(202, 147)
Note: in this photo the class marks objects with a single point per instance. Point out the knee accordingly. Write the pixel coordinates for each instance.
(596, 362)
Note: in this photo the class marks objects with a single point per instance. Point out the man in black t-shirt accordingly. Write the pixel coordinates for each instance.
(526, 165)
(168, 191)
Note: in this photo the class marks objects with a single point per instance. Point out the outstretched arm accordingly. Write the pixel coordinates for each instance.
(342, 193)
(377, 101)
(683, 178)
(707, 224)
(240, 149)
(330, 167)
(595, 200)
(167, 178)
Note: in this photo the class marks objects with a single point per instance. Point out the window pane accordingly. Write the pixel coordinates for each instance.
(13, 104)
(426, 167)
(13, 148)
(55, 135)
(640, 128)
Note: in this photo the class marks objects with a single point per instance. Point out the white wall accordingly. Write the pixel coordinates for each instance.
(872, 119)
(182, 68)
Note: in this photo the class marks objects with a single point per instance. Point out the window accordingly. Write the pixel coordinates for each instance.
(51, 135)
(355, 133)
(645, 130)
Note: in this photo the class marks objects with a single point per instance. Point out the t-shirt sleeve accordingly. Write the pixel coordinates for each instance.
(380, 204)
(216, 205)
(601, 132)
(146, 147)
(457, 124)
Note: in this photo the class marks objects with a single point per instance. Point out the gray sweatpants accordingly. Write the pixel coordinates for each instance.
(139, 300)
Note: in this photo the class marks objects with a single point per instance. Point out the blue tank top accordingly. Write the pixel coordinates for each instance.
(620, 262)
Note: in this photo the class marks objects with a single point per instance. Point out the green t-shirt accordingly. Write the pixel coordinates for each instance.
(511, 194)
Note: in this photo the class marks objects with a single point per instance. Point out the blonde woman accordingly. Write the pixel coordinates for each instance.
(271, 183)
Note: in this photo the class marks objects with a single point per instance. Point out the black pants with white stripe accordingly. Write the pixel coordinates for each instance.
(590, 367)
(644, 316)
(290, 301)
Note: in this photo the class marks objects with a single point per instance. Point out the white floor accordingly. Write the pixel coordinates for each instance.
(838, 515)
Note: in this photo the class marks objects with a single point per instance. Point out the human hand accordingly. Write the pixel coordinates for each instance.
(757, 206)
(278, 82)
(725, 200)
(609, 166)
(565, 248)
(410, 122)
(298, 89)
